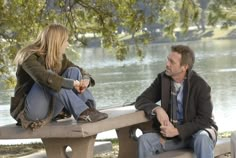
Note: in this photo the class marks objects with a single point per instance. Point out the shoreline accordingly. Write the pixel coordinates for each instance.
(211, 33)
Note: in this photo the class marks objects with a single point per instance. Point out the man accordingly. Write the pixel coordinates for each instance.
(184, 118)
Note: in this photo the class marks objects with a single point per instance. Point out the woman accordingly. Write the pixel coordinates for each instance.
(49, 85)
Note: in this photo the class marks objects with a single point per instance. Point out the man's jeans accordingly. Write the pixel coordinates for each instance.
(233, 145)
(202, 145)
(38, 99)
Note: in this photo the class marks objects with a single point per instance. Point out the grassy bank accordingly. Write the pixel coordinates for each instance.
(13, 151)
(211, 33)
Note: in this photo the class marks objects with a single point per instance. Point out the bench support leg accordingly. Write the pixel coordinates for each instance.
(128, 147)
(81, 147)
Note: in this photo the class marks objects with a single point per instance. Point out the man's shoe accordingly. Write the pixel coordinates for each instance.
(91, 115)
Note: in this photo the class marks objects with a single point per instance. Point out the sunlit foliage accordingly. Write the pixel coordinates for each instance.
(114, 24)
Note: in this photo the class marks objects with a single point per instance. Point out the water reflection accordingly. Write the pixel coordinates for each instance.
(118, 83)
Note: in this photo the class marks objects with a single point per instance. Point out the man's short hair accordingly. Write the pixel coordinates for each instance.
(187, 54)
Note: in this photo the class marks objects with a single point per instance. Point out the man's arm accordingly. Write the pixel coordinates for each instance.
(147, 100)
(161, 116)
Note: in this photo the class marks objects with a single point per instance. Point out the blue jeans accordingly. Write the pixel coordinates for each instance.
(38, 99)
(202, 145)
(233, 145)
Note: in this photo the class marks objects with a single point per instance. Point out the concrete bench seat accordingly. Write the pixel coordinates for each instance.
(80, 137)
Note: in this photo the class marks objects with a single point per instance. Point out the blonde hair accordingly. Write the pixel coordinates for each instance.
(48, 43)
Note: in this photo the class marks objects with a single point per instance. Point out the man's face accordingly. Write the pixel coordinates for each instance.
(173, 67)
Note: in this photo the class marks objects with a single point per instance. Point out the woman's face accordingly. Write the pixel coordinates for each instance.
(64, 45)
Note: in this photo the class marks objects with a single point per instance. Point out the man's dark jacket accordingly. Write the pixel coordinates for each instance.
(197, 104)
(33, 70)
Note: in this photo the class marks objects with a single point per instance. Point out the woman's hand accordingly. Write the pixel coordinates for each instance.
(77, 86)
(82, 85)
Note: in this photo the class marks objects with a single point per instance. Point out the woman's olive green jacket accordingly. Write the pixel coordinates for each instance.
(33, 70)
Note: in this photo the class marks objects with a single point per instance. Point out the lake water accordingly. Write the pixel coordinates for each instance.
(119, 83)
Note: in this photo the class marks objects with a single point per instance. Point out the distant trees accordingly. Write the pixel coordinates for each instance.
(21, 20)
(203, 6)
(223, 12)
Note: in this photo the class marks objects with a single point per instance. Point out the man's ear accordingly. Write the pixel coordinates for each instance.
(185, 67)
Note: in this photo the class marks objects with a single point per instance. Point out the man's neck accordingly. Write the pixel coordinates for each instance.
(179, 78)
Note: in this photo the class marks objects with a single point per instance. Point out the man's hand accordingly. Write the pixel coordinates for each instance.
(162, 116)
(169, 131)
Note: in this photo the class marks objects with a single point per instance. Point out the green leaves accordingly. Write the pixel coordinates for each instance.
(189, 13)
(114, 23)
(121, 51)
(223, 12)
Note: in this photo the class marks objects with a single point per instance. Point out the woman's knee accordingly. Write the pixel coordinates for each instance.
(73, 69)
(73, 73)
